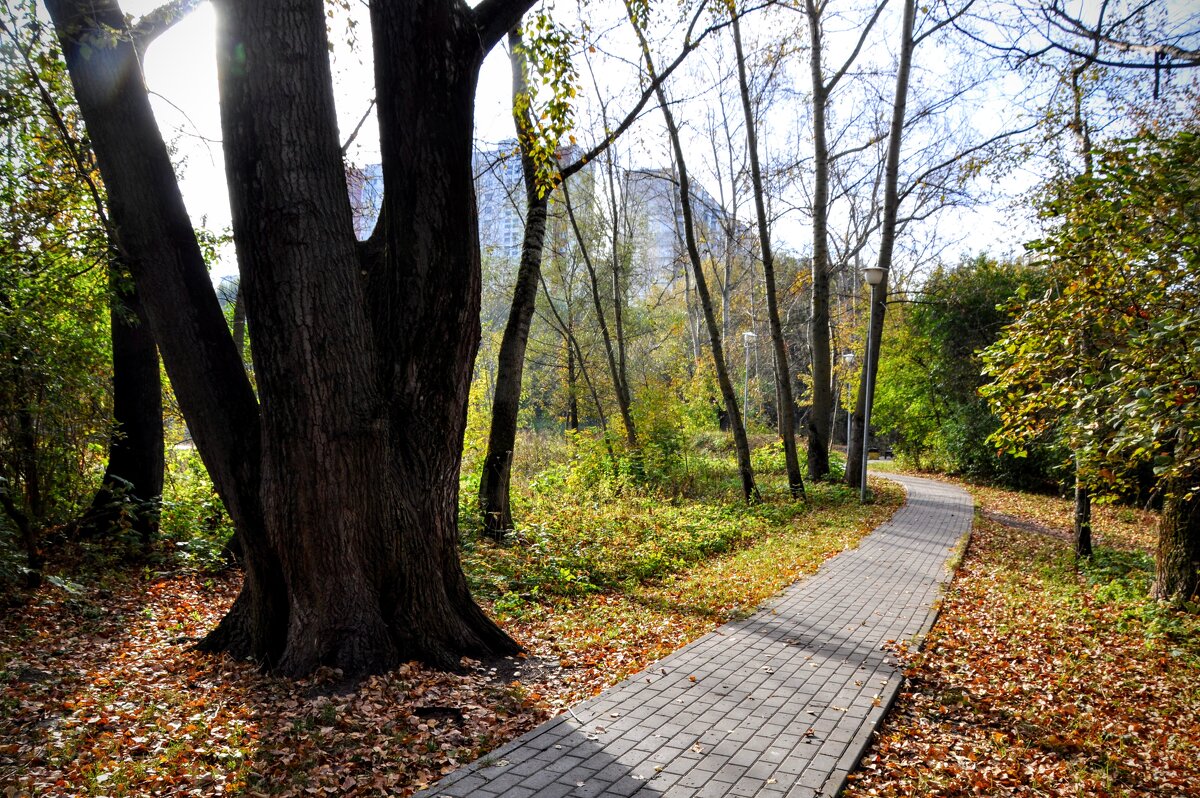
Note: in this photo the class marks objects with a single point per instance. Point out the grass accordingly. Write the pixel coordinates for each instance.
(102, 694)
(607, 582)
(1046, 676)
(670, 578)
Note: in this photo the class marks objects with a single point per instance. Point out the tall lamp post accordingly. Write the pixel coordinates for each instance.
(747, 339)
(874, 275)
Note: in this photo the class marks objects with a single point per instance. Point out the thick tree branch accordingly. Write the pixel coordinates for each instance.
(495, 18)
(1190, 59)
(159, 21)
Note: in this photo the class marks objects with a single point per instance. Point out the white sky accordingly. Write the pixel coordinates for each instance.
(181, 73)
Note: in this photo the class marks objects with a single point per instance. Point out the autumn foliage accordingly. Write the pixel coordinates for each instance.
(1041, 679)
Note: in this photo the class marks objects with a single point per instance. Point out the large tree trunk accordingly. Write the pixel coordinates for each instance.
(494, 495)
(1177, 560)
(783, 374)
(363, 382)
(158, 244)
(133, 477)
(426, 310)
(347, 501)
(819, 331)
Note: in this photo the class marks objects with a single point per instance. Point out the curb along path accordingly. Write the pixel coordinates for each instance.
(781, 703)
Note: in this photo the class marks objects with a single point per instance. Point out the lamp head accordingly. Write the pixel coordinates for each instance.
(874, 275)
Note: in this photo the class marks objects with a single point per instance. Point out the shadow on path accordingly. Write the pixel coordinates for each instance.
(781, 703)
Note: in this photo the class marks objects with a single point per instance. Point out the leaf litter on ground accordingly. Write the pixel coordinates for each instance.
(1043, 676)
(103, 693)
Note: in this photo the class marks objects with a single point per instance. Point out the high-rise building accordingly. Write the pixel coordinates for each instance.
(649, 200)
(365, 185)
(652, 200)
(500, 198)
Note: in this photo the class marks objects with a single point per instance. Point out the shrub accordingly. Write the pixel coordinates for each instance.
(193, 517)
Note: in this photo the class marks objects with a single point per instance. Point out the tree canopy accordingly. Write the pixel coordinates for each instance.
(1109, 356)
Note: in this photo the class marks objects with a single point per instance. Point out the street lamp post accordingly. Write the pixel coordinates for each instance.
(747, 339)
(874, 275)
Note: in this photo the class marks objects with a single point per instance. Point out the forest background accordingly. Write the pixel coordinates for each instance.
(672, 264)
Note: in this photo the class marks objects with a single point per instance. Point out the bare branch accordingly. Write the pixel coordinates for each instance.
(690, 44)
(950, 19)
(358, 127)
(862, 38)
(159, 21)
(919, 179)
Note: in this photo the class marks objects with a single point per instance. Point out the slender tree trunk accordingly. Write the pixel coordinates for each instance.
(494, 496)
(891, 206)
(27, 535)
(614, 368)
(1082, 131)
(572, 386)
(567, 328)
(783, 374)
(819, 328)
(1177, 559)
(621, 380)
(692, 322)
(28, 464)
(133, 477)
(1083, 518)
(741, 443)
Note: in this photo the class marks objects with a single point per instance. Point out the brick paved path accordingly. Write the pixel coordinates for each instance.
(782, 703)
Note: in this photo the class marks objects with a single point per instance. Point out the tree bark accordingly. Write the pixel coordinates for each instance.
(741, 444)
(887, 243)
(345, 489)
(1177, 559)
(133, 477)
(819, 330)
(783, 373)
(160, 248)
(494, 496)
(1083, 518)
(572, 385)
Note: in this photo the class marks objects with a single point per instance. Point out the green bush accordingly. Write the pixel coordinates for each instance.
(193, 518)
(930, 373)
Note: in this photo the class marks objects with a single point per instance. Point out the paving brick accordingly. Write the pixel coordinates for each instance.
(787, 694)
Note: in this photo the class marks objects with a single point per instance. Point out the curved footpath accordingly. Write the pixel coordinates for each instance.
(781, 703)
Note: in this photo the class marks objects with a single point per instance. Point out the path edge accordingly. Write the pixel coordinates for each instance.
(849, 763)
